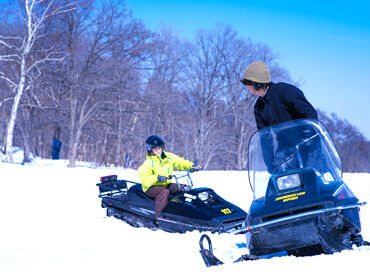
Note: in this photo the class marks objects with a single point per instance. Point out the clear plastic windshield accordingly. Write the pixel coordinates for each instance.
(289, 146)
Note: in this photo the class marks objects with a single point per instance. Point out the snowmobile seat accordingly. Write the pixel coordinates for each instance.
(137, 197)
(136, 190)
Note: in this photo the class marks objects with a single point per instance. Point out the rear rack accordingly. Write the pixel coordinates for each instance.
(110, 186)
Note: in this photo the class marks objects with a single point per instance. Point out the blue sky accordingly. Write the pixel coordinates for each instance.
(325, 45)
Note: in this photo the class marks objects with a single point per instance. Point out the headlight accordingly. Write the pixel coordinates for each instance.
(203, 196)
(288, 182)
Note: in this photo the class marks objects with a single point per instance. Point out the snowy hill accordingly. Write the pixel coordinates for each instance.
(52, 223)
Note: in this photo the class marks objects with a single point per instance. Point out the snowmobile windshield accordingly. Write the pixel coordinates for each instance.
(290, 146)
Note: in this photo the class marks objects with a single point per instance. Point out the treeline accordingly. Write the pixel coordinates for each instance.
(99, 81)
(353, 147)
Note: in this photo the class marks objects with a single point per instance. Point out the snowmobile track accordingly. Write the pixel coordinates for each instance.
(139, 221)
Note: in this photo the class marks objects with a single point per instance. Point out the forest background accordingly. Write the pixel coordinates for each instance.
(90, 75)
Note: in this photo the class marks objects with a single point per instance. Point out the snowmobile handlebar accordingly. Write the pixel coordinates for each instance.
(184, 181)
(182, 175)
(296, 155)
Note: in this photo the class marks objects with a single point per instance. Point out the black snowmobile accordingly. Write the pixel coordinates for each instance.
(301, 206)
(192, 209)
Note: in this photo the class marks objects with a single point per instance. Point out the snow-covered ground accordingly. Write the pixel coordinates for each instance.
(52, 223)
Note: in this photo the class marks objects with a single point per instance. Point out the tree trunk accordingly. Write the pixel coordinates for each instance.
(26, 132)
(72, 134)
(27, 150)
(13, 114)
(74, 147)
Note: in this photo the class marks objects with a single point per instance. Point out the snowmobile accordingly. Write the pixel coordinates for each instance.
(300, 205)
(191, 209)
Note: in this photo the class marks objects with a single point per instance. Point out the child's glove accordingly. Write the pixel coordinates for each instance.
(162, 178)
(196, 168)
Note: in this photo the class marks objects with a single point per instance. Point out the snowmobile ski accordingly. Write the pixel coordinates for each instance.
(207, 254)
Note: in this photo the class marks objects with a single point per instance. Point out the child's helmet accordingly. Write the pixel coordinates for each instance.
(153, 142)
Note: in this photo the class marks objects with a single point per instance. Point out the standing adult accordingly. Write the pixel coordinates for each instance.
(276, 103)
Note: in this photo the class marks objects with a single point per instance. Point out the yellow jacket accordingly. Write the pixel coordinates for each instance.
(163, 165)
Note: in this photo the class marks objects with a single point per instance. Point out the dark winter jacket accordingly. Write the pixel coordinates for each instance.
(282, 102)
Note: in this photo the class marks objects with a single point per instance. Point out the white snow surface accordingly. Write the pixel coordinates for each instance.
(52, 223)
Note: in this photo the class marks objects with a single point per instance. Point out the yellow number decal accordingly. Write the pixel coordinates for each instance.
(226, 211)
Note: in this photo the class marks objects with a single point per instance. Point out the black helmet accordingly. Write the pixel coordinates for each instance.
(153, 142)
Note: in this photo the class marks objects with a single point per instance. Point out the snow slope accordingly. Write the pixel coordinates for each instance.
(52, 223)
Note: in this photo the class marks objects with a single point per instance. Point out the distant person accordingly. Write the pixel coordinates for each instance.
(57, 144)
(276, 103)
(156, 169)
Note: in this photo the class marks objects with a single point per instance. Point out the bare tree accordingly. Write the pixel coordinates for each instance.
(19, 51)
(161, 81)
(236, 53)
(98, 36)
(203, 83)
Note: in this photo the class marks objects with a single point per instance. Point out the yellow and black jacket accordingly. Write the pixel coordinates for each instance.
(162, 165)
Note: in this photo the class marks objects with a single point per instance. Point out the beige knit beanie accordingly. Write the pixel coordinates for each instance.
(257, 72)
